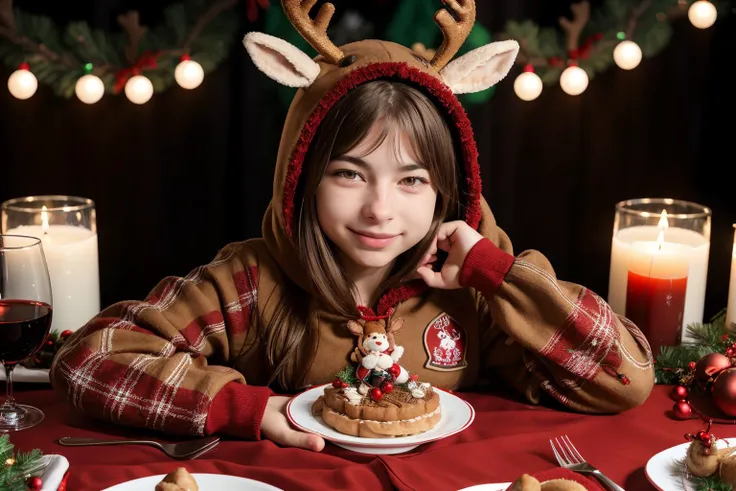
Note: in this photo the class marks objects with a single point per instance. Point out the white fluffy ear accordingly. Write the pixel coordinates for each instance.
(481, 68)
(280, 60)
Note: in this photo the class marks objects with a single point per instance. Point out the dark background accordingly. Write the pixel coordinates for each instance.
(177, 178)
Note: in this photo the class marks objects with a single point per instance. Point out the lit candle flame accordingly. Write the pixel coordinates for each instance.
(44, 219)
(663, 225)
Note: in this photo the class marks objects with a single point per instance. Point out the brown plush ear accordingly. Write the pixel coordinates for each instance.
(356, 327)
(562, 485)
(396, 325)
(526, 483)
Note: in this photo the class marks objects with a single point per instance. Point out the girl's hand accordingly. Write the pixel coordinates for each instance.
(276, 427)
(456, 238)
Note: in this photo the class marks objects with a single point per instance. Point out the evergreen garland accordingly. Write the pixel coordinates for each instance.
(59, 57)
(671, 365)
(589, 38)
(16, 468)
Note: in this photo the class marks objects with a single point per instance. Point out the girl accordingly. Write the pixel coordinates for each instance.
(376, 211)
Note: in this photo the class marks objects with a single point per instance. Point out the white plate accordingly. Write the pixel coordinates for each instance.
(666, 469)
(23, 374)
(205, 482)
(456, 416)
(496, 486)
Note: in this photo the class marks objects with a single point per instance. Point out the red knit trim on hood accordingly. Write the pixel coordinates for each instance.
(455, 114)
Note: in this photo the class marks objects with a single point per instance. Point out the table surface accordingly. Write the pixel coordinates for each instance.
(508, 438)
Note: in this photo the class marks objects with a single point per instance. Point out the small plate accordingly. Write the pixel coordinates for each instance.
(25, 375)
(456, 416)
(494, 486)
(205, 482)
(666, 469)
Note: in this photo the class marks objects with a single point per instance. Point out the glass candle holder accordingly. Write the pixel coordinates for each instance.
(731, 310)
(659, 266)
(67, 228)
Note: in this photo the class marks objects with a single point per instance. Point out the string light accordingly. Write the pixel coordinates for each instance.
(138, 89)
(627, 55)
(188, 74)
(528, 85)
(22, 84)
(89, 88)
(574, 80)
(702, 14)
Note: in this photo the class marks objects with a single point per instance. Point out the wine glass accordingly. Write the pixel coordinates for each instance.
(25, 319)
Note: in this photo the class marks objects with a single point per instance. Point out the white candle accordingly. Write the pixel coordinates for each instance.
(682, 246)
(731, 312)
(71, 256)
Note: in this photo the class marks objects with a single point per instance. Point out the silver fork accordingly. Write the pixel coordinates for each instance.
(569, 458)
(181, 451)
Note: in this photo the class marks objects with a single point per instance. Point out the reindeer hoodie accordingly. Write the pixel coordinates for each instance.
(173, 362)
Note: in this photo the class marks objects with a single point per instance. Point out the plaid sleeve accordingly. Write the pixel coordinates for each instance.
(556, 337)
(161, 363)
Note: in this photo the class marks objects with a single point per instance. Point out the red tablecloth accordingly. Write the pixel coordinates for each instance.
(507, 439)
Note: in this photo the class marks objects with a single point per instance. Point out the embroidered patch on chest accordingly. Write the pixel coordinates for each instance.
(446, 344)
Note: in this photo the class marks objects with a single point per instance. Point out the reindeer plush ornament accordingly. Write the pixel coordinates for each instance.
(377, 353)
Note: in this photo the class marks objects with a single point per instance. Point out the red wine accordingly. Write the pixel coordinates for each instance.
(24, 326)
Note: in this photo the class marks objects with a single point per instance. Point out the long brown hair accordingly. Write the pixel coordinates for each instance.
(400, 108)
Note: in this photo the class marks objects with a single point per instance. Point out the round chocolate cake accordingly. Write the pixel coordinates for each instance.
(406, 410)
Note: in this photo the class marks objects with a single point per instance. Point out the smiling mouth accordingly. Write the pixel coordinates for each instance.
(374, 241)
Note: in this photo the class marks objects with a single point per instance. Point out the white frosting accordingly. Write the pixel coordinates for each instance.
(418, 390)
(352, 395)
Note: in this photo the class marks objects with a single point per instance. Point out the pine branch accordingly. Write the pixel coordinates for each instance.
(347, 375)
(6, 15)
(15, 468)
(636, 12)
(573, 28)
(215, 9)
(130, 22)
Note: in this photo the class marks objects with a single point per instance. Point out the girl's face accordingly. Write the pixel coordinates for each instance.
(375, 206)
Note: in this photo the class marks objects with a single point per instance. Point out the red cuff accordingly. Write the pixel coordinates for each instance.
(485, 267)
(237, 410)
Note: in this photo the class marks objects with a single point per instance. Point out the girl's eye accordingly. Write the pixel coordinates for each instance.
(414, 181)
(350, 175)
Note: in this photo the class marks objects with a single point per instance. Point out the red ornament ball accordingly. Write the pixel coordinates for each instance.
(337, 383)
(394, 370)
(34, 483)
(724, 391)
(691, 366)
(387, 387)
(413, 377)
(376, 394)
(682, 410)
(708, 367)
(65, 334)
(679, 393)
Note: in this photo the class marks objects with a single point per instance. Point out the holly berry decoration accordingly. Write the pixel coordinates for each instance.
(337, 383)
(413, 377)
(679, 393)
(34, 483)
(682, 410)
(703, 436)
(691, 366)
(376, 394)
(387, 387)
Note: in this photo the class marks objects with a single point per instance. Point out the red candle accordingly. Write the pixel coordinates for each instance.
(656, 287)
(656, 305)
